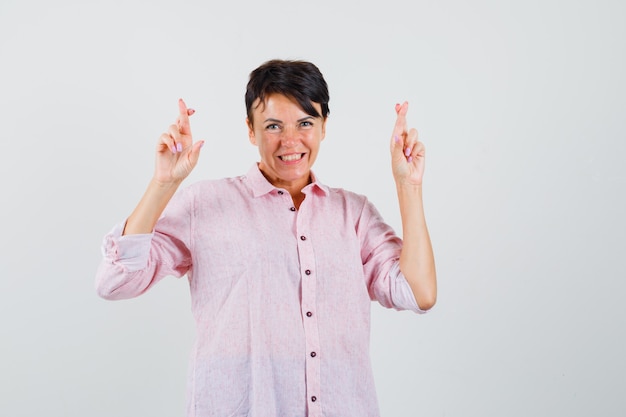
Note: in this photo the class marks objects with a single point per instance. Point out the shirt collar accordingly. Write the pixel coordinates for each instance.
(261, 186)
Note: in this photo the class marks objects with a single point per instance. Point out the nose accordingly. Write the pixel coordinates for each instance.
(289, 136)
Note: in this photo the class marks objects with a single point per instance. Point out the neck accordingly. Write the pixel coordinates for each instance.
(297, 199)
(294, 188)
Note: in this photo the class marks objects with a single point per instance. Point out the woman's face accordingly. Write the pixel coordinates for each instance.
(288, 140)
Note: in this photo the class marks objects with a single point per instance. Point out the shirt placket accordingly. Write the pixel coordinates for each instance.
(308, 306)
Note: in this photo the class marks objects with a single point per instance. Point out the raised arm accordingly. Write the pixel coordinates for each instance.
(417, 261)
(176, 156)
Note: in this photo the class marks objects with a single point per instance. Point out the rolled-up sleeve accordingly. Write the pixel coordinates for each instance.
(131, 264)
(401, 293)
(130, 251)
(380, 252)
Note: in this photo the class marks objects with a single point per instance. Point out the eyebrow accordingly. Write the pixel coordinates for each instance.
(280, 121)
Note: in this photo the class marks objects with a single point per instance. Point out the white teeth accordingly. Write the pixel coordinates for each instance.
(292, 157)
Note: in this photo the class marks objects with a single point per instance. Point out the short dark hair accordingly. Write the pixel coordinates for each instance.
(299, 80)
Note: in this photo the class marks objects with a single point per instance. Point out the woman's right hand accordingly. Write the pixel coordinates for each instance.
(176, 154)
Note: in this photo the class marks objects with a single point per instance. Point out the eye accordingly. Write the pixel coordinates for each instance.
(306, 123)
(272, 126)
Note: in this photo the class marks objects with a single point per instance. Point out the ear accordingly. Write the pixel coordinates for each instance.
(251, 136)
(324, 128)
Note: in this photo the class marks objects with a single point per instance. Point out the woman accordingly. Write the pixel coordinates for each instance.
(282, 268)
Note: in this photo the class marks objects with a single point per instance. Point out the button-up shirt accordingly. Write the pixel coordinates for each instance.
(281, 296)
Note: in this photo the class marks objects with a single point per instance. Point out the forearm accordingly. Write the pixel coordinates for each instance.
(150, 207)
(417, 261)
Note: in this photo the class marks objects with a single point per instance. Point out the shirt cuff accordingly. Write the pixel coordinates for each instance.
(401, 293)
(129, 251)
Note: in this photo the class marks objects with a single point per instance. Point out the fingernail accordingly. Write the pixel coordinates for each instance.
(173, 149)
(410, 159)
(201, 144)
(179, 147)
(407, 152)
(396, 138)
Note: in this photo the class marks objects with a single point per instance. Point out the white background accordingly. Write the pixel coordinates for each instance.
(521, 105)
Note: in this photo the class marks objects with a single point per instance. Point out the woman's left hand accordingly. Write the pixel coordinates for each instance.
(407, 152)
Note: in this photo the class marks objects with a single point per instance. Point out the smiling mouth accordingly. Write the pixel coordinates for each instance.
(291, 157)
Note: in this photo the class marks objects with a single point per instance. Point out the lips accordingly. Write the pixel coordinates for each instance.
(291, 157)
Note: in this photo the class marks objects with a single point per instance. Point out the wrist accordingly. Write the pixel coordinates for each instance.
(408, 187)
(165, 185)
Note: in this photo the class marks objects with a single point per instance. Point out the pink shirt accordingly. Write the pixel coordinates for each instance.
(281, 297)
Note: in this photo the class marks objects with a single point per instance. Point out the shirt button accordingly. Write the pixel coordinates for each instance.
(308, 272)
(313, 354)
(314, 398)
(280, 192)
(292, 209)
(309, 314)
(302, 237)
